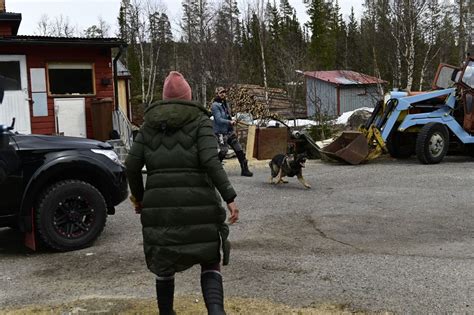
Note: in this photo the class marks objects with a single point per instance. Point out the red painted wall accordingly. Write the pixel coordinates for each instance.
(39, 56)
(5, 29)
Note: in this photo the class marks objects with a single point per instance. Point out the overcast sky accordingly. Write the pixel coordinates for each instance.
(84, 13)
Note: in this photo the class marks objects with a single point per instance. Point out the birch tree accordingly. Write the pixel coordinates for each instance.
(407, 15)
(99, 30)
(139, 16)
(62, 27)
(43, 27)
(261, 27)
(59, 26)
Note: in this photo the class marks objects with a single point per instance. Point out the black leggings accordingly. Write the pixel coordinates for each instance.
(204, 268)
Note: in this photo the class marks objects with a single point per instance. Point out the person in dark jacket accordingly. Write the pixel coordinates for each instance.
(181, 213)
(224, 130)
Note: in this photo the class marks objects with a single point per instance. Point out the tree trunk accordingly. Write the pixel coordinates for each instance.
(262, 52)
(411, 59)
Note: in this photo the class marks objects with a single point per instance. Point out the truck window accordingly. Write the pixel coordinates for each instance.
(468, 75)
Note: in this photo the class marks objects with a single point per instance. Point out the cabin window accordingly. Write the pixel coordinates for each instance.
(71, 78)
(10, 75)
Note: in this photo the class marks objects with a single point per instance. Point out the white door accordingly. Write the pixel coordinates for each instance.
(70, 115)
(15, 102)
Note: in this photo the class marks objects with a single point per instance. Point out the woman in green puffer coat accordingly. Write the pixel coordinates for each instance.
(181, 211)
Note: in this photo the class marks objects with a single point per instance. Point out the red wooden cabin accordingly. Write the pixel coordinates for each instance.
(52, 83)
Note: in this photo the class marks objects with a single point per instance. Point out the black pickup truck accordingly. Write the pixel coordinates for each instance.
(58, 190)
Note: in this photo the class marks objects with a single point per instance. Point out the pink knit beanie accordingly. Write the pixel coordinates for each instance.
(176, 87)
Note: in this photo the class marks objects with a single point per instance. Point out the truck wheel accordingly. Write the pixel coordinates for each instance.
(432, 143)
(400, 145)
(70, 215)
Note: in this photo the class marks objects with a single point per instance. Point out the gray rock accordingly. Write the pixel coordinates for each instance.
(357, 119)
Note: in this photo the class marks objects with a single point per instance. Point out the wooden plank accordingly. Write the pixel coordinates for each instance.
(271, 141)
(249, 149)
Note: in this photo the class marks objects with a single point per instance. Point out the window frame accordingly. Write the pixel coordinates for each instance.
(66, 64)
(17, 80)
(469, 66)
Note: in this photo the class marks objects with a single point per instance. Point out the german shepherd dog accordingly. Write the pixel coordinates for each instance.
(288, 165)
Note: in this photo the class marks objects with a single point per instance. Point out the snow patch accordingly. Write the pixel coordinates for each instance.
(343, 119)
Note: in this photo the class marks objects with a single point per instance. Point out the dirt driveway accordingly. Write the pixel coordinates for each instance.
(386, 236)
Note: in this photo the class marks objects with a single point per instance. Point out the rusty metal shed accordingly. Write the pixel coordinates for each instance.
(339, 91)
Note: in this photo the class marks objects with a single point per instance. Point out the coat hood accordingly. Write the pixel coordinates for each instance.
(173, 113)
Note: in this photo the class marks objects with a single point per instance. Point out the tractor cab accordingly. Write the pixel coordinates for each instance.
(466, 84)
(446, 76)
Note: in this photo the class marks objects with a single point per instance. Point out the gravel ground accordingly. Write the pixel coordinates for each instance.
(390, 235)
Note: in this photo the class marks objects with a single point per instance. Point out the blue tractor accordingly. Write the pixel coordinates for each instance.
(428, 124)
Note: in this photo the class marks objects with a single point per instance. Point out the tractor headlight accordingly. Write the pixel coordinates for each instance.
(110, 154)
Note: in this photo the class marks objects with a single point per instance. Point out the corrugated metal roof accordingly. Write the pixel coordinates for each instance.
(9, 16)
(344, 77)
(50, 40)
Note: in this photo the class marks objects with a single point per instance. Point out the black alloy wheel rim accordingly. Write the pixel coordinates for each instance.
(73, 217)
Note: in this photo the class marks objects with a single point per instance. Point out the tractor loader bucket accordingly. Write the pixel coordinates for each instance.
(350, 147)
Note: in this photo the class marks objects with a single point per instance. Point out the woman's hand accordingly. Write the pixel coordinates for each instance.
(234, 212)
(137, 204)
(138, 208)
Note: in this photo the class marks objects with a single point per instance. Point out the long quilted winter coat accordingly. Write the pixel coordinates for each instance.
(182, 216)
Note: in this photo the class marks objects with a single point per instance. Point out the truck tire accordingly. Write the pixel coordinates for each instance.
(432, 143)
(70, 215)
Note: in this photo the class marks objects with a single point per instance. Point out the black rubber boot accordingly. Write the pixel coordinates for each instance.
(213, 292)
(243, 164)
(165, 296)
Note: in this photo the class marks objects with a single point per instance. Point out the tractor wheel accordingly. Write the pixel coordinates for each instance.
(432, 143)
(70, 215)
(400, 145)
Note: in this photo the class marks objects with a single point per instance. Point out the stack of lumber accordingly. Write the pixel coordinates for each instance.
(251, 99)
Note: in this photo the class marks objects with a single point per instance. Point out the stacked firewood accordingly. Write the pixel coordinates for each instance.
(244, 102)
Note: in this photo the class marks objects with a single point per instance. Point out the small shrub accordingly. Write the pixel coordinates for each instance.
(316, 132)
